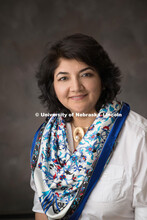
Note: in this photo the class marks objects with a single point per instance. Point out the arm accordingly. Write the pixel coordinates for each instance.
(40, 216)
(140, 184)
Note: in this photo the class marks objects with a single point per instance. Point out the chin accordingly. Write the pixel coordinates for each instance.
(80, 111)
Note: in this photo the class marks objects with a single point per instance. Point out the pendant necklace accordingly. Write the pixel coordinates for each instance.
(78, 133)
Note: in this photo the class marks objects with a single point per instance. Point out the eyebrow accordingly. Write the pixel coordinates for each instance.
(82, 70)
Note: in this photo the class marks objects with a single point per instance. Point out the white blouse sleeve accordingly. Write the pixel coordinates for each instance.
(140, 181)
(37, 205)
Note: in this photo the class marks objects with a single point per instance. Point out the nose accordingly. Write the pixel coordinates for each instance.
(76, 85)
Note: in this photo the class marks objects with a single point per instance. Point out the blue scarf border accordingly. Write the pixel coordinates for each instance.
(108, 147)
(34, 142)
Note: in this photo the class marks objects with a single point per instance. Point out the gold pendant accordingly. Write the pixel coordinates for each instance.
(78, 134)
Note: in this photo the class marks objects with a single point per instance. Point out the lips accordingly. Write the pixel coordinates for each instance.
(78, 97)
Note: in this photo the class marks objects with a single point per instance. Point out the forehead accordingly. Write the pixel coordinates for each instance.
(70, 64)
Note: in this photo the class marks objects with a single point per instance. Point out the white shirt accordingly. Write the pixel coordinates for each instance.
(121, 192)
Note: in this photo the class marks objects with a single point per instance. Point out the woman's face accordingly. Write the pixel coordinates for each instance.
(77, 86)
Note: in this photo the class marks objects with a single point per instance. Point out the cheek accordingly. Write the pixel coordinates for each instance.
(98, 87)
(95, 86)
(56, 89)
(60, 91)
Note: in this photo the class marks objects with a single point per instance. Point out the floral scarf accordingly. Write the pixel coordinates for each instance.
(61, 177)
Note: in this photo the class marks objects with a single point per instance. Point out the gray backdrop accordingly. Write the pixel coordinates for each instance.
(25, 28)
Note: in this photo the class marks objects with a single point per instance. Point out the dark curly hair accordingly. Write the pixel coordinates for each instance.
(82, 48)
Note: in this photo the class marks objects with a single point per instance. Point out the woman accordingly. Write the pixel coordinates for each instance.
(90, 162)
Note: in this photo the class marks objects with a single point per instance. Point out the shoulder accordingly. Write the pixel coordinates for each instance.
(138, 120)
(135, 123)
(132, 143)
(133, 136)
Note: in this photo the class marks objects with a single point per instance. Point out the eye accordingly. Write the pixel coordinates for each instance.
(87, 74)
(63, 78)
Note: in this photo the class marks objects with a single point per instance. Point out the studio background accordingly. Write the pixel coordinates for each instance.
(25, 28)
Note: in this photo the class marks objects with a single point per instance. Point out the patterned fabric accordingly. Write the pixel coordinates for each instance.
(61, 177)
